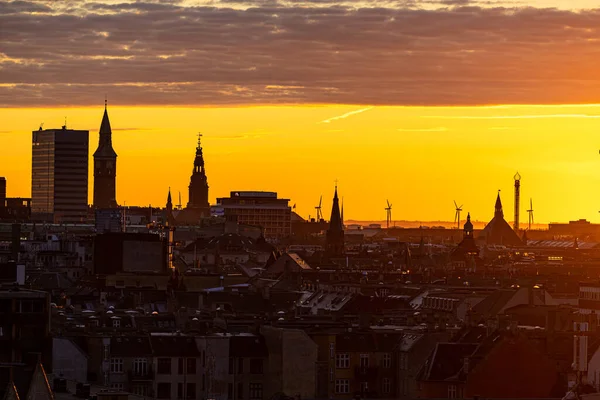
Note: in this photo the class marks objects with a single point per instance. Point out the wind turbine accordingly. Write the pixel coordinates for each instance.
(457, 215)
(318, 208)
(530, 211)
(389, 214)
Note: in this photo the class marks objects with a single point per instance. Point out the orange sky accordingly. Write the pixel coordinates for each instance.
(420, 158)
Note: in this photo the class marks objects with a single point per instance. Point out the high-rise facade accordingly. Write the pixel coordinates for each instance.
(105, 167)
(59, 175)
(262, 209)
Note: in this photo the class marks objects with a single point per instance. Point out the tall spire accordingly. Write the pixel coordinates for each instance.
(335, 233)
(342, 213)
(105, 166)
(498, 208)
(335, 221)
(169, 202)
(198, 188)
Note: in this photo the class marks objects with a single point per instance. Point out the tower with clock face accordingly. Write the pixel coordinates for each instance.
(105, 167)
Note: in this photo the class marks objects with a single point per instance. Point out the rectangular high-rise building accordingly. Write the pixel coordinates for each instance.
(59, 175)
(262, 209)
(2, 191)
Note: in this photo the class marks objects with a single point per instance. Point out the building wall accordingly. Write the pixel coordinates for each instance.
(68, 360)
(59, 183)
(215, 366)
(292, 362)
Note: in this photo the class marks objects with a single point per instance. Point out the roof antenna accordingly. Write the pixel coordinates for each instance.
(105, 101)
(65, 125)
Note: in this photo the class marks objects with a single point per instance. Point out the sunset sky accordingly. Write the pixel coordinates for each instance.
(418, 102)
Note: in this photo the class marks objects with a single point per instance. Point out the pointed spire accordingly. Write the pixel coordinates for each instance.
(342, 213)
(498, 208)
(468, 227)
(335, 221)
(169, 202)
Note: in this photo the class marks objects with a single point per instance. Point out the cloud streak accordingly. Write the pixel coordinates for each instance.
(244, 52)
(346, 115)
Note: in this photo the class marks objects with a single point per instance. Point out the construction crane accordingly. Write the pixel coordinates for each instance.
(318, 208)
(457, 215)
(389, 214)
(530, 212)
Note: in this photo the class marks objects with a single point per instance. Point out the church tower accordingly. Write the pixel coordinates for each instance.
(335, 233)
(105, 167)
(198, 189)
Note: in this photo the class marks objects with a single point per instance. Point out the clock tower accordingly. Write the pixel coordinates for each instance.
(105, 167)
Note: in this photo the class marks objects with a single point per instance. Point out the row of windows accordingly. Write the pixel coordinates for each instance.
(236, 366)
(342, 386)
(589, 295)
(255, 391)
(140, 366)
(342, 360)
(184, 391)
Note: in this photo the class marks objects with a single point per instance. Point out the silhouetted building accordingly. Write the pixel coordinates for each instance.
(109, 220)
(2, 191)
(15, 209)
(467, 251)
(498, 231)
(169, 218)
(198, 189)
(59, 175)
(129, 252)
(105, 167)
(262, 209)
(335, 233)
(25, 324)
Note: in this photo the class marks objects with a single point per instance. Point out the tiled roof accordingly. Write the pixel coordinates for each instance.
(447, 361)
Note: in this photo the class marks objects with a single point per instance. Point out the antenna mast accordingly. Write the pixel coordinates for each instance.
(530, 211)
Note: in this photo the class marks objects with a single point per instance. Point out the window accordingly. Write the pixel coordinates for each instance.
(387, 360)
(452, 391)
(191, 366)
(180, 366)
(364, 360)
(116, 386)
(256, 366)
(106, 351)
(164, 366)
(331, 374)
(231, 364)
(140, 367)
(240, 390)
(342, 360)
(387, 386)
(240, 366)
(403, 361)
(364, 387)
(116, 323)
(163, 390)
(230, 391)
(116, 365)
(342, 386)
(190, 392)
(256, 391)
(180, 390)
(140, 390)
(331, 350)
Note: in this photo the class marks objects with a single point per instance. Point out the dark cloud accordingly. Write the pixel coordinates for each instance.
(162, 52)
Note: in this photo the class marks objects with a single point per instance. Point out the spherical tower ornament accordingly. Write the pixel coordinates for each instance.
(517, 177)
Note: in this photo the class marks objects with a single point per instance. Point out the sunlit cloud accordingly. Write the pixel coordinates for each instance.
(492, 117)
